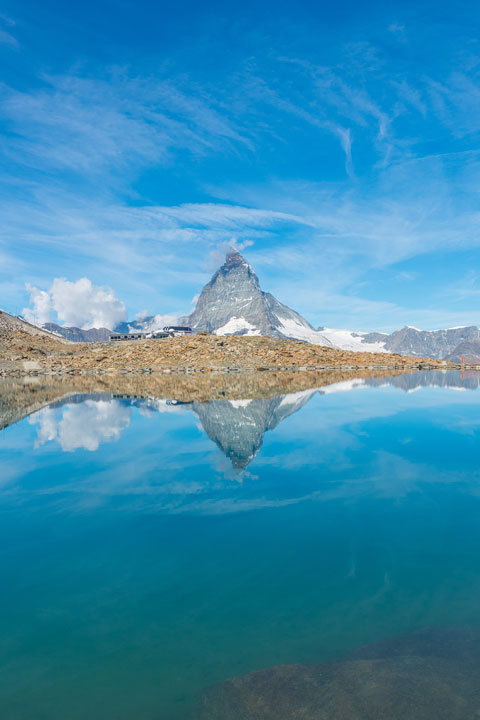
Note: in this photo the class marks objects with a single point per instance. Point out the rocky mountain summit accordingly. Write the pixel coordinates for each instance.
(233, 303)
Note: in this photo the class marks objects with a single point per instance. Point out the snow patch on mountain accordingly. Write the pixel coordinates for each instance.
(240, 403)
(237, 325)
(291, 328)
(297, 398)
(349, 340)
(344, 386)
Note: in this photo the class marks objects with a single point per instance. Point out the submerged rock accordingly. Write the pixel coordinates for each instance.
(459, 644)
(429, 675)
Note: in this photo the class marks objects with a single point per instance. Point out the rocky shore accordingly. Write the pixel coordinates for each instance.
(23, 352)
(22, 396)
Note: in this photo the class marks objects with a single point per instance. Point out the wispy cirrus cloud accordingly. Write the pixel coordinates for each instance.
(7, 37)
(103, 125)
(456, 101)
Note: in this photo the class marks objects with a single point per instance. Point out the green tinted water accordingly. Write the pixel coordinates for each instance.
(149, 550)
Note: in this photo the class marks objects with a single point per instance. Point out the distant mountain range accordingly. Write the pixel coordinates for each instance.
(430, 343)
(75, 334)
(232, 303)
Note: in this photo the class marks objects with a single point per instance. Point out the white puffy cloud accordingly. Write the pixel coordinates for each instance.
(87, 425)
(79, 303)
(158, 322)
(41, 309)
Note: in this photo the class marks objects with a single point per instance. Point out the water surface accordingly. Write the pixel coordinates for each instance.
(151, 549)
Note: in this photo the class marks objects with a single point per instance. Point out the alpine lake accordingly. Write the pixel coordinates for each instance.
(310, 554)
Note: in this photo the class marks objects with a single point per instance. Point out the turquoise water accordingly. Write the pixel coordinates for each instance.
(149, 550)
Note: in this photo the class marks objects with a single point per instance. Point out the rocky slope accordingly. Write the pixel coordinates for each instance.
(11, 324)
(195, 353)
(22, 345)
(469, 350)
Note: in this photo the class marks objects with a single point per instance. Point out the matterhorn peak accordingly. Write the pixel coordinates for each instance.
(234, 258)
(233, 303)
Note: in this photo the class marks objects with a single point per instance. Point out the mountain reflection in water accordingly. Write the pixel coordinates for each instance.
(237, 427)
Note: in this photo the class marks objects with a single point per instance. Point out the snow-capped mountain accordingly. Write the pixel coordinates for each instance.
(232, 303)
(439, 344)
(355, 341)
(430, 343)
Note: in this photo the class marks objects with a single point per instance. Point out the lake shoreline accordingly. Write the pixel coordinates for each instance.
(22, 353)
(23, 395)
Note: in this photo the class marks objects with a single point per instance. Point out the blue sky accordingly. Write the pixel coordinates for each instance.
(338, 144)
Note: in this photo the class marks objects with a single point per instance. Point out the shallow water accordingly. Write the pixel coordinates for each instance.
(151, 549)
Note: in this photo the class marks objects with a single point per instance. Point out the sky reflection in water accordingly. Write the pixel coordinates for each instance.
(151, 549)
